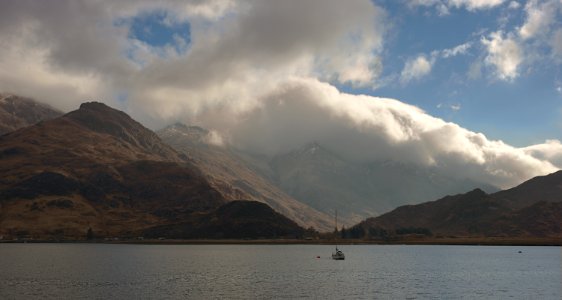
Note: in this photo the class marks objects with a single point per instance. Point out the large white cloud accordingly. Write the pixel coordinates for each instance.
(261, 74)
(366, 128)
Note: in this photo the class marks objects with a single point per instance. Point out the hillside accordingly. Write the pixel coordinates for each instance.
(533, 208)
(234, 220)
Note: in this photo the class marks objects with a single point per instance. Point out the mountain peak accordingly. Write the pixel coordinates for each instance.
(477, 192)
(101, 118)
(104, 119)
(95, 106)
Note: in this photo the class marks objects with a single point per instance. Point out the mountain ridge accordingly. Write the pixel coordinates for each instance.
(533, 208)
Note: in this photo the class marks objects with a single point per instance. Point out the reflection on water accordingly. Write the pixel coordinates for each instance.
(101, 271)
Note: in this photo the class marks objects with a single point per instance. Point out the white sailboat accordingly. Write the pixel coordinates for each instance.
(338, 255)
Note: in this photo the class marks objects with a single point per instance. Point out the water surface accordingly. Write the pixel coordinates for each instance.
(105, 271)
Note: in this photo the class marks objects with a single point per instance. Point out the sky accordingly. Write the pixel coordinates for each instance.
(472, 87)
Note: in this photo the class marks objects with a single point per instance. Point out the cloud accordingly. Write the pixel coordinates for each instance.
(504, 55)
(456, 107)
(556, 43)
(540, 16)
(458, 50)
(514, 5)
(510, 52)
(475, 4)
(236, 47)
(443, 6)
(475, 70)
(550, 150)
(420, 66)
(416, 68)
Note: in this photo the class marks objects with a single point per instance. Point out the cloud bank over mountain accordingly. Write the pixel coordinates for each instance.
(264, 75)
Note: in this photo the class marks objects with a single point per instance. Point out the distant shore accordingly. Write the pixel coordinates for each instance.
(475, 241)
(487, 241)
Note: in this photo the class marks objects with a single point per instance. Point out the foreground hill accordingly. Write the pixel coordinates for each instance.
(234, 220)
(96, 168)
(18, 112)
(228, 173)
(533, 209)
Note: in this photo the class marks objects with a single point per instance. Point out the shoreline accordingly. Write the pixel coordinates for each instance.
(452, 241)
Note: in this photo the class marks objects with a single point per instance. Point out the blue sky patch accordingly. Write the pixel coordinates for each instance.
(159, 29)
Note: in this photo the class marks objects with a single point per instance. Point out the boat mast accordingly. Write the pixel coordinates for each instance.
(336, 220)
(336, 230)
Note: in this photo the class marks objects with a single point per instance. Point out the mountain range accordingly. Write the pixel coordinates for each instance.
(317, 177)
(96, 168)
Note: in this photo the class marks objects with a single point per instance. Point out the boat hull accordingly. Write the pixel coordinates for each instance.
(338, 255)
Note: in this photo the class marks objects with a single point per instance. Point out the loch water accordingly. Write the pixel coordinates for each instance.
(120, 271)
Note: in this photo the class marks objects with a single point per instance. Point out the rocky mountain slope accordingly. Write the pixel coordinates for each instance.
(18, 112)
(97, 168)
(533, 208)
